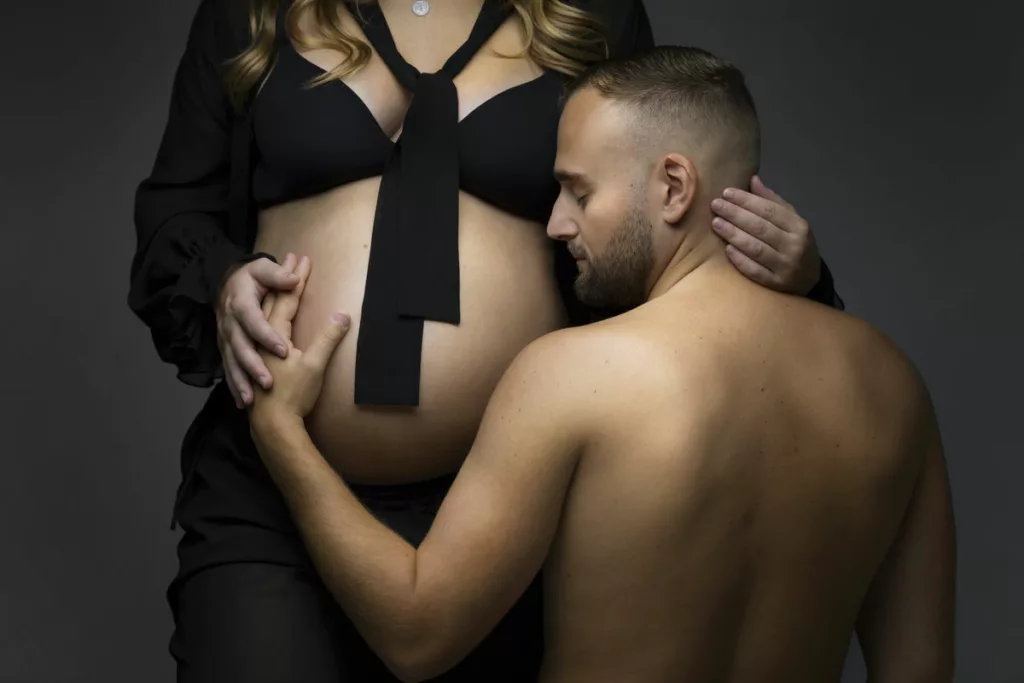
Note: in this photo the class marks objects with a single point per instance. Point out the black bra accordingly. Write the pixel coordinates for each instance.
(310, 140)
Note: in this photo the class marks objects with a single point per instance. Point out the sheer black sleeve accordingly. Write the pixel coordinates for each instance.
(825, 290)
(181, 210)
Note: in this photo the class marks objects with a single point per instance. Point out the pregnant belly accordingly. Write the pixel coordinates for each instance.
(508, 298)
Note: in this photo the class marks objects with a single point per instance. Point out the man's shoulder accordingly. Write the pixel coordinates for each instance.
(886, 367)
(869, 350)
(603, 363)
(608, 344)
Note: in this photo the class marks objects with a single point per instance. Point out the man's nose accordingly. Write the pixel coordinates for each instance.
(560, 225)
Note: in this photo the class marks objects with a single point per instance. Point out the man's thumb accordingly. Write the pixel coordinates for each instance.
(328, 339)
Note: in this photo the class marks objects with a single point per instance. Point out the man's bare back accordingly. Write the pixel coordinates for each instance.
(753, 458)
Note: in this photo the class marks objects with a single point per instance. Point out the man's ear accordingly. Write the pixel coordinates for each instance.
(678, 177)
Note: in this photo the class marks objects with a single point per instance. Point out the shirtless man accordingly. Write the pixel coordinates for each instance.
(722, 483)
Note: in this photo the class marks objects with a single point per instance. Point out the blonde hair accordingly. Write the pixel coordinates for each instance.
(559, 37)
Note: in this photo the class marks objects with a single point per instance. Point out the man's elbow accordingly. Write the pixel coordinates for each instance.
(419, 660)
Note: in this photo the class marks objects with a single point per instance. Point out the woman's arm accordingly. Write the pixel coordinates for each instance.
(181, 210)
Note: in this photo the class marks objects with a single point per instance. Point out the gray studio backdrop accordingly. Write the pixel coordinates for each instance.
(897, 133)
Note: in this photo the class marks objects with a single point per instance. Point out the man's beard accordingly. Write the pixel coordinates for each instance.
(618, 278)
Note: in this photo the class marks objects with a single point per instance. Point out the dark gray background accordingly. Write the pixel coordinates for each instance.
(897, 133)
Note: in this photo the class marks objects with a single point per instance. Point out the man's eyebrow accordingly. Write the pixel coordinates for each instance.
(569, 178)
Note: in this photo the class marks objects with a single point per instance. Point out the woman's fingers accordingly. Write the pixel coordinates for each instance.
(235, 377)
(247, 357)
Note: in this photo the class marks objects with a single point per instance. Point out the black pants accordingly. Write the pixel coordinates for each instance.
(248, 605)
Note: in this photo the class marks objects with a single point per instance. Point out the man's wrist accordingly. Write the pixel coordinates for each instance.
(270, 425)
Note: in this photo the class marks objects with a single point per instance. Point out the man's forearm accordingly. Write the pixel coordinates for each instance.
(370, 570)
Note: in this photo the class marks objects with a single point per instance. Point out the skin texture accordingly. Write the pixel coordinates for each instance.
(722, 483)
(498, 254)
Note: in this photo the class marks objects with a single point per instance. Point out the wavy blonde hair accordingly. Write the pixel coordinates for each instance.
(559, 37)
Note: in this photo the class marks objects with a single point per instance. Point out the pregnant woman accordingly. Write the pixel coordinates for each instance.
(407, 149)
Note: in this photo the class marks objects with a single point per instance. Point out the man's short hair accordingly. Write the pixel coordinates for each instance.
(673, 88)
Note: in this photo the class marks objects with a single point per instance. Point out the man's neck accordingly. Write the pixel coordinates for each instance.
(701, 254)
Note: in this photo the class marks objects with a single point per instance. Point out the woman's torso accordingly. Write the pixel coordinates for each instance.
(508, 294)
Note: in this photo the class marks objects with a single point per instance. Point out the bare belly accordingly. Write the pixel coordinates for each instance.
(509, 298)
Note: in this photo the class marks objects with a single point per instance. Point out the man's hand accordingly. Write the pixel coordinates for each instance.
(299, 376)
(768, 240)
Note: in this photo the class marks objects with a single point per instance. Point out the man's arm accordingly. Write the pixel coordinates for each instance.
(423, 611)
(905, 626)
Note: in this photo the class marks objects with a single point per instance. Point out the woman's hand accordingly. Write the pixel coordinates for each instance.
(241, 324)
(767, 239)
(299, 376)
